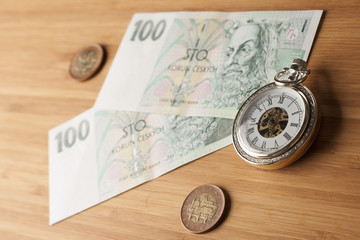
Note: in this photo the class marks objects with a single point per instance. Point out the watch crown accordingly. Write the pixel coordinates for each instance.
(298, 64)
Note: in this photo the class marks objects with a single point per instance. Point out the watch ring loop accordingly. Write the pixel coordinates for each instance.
(293, 78)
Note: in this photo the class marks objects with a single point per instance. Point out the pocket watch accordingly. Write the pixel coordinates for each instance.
(278, 123)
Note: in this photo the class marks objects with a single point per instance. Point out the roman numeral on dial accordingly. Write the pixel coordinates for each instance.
(287, 136)
(276, 145)
(258, 108)
(263, 145)
(282, 97)
(253, 142)
(294, 124)
(250, 131)
(292, 102)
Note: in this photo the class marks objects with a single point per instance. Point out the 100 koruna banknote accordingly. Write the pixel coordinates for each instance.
(102, 153)
(203, 64)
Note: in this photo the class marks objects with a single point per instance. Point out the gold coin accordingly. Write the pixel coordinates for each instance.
(203, 208)
(87, 62)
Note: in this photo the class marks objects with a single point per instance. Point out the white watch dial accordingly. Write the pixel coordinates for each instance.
(272, 120)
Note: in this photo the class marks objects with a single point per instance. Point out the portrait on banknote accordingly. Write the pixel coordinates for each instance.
(250, 61)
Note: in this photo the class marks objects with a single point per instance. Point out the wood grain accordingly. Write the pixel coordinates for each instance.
(318, 197)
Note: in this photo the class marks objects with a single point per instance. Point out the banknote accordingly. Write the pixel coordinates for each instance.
(203, 63)
(102, 153)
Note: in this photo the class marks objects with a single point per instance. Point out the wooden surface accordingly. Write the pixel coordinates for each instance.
(318, 197)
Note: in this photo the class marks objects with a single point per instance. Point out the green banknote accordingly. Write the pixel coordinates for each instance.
(102, 153)
(204, 64)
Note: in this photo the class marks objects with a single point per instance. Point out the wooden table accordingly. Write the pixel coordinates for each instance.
(318, 197)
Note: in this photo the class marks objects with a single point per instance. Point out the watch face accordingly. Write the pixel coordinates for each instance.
(272, 121)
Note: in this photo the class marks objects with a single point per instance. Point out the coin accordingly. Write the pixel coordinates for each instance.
(203, 208)
(87, 62)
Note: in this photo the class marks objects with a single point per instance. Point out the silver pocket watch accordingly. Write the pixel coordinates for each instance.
(278, 123)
